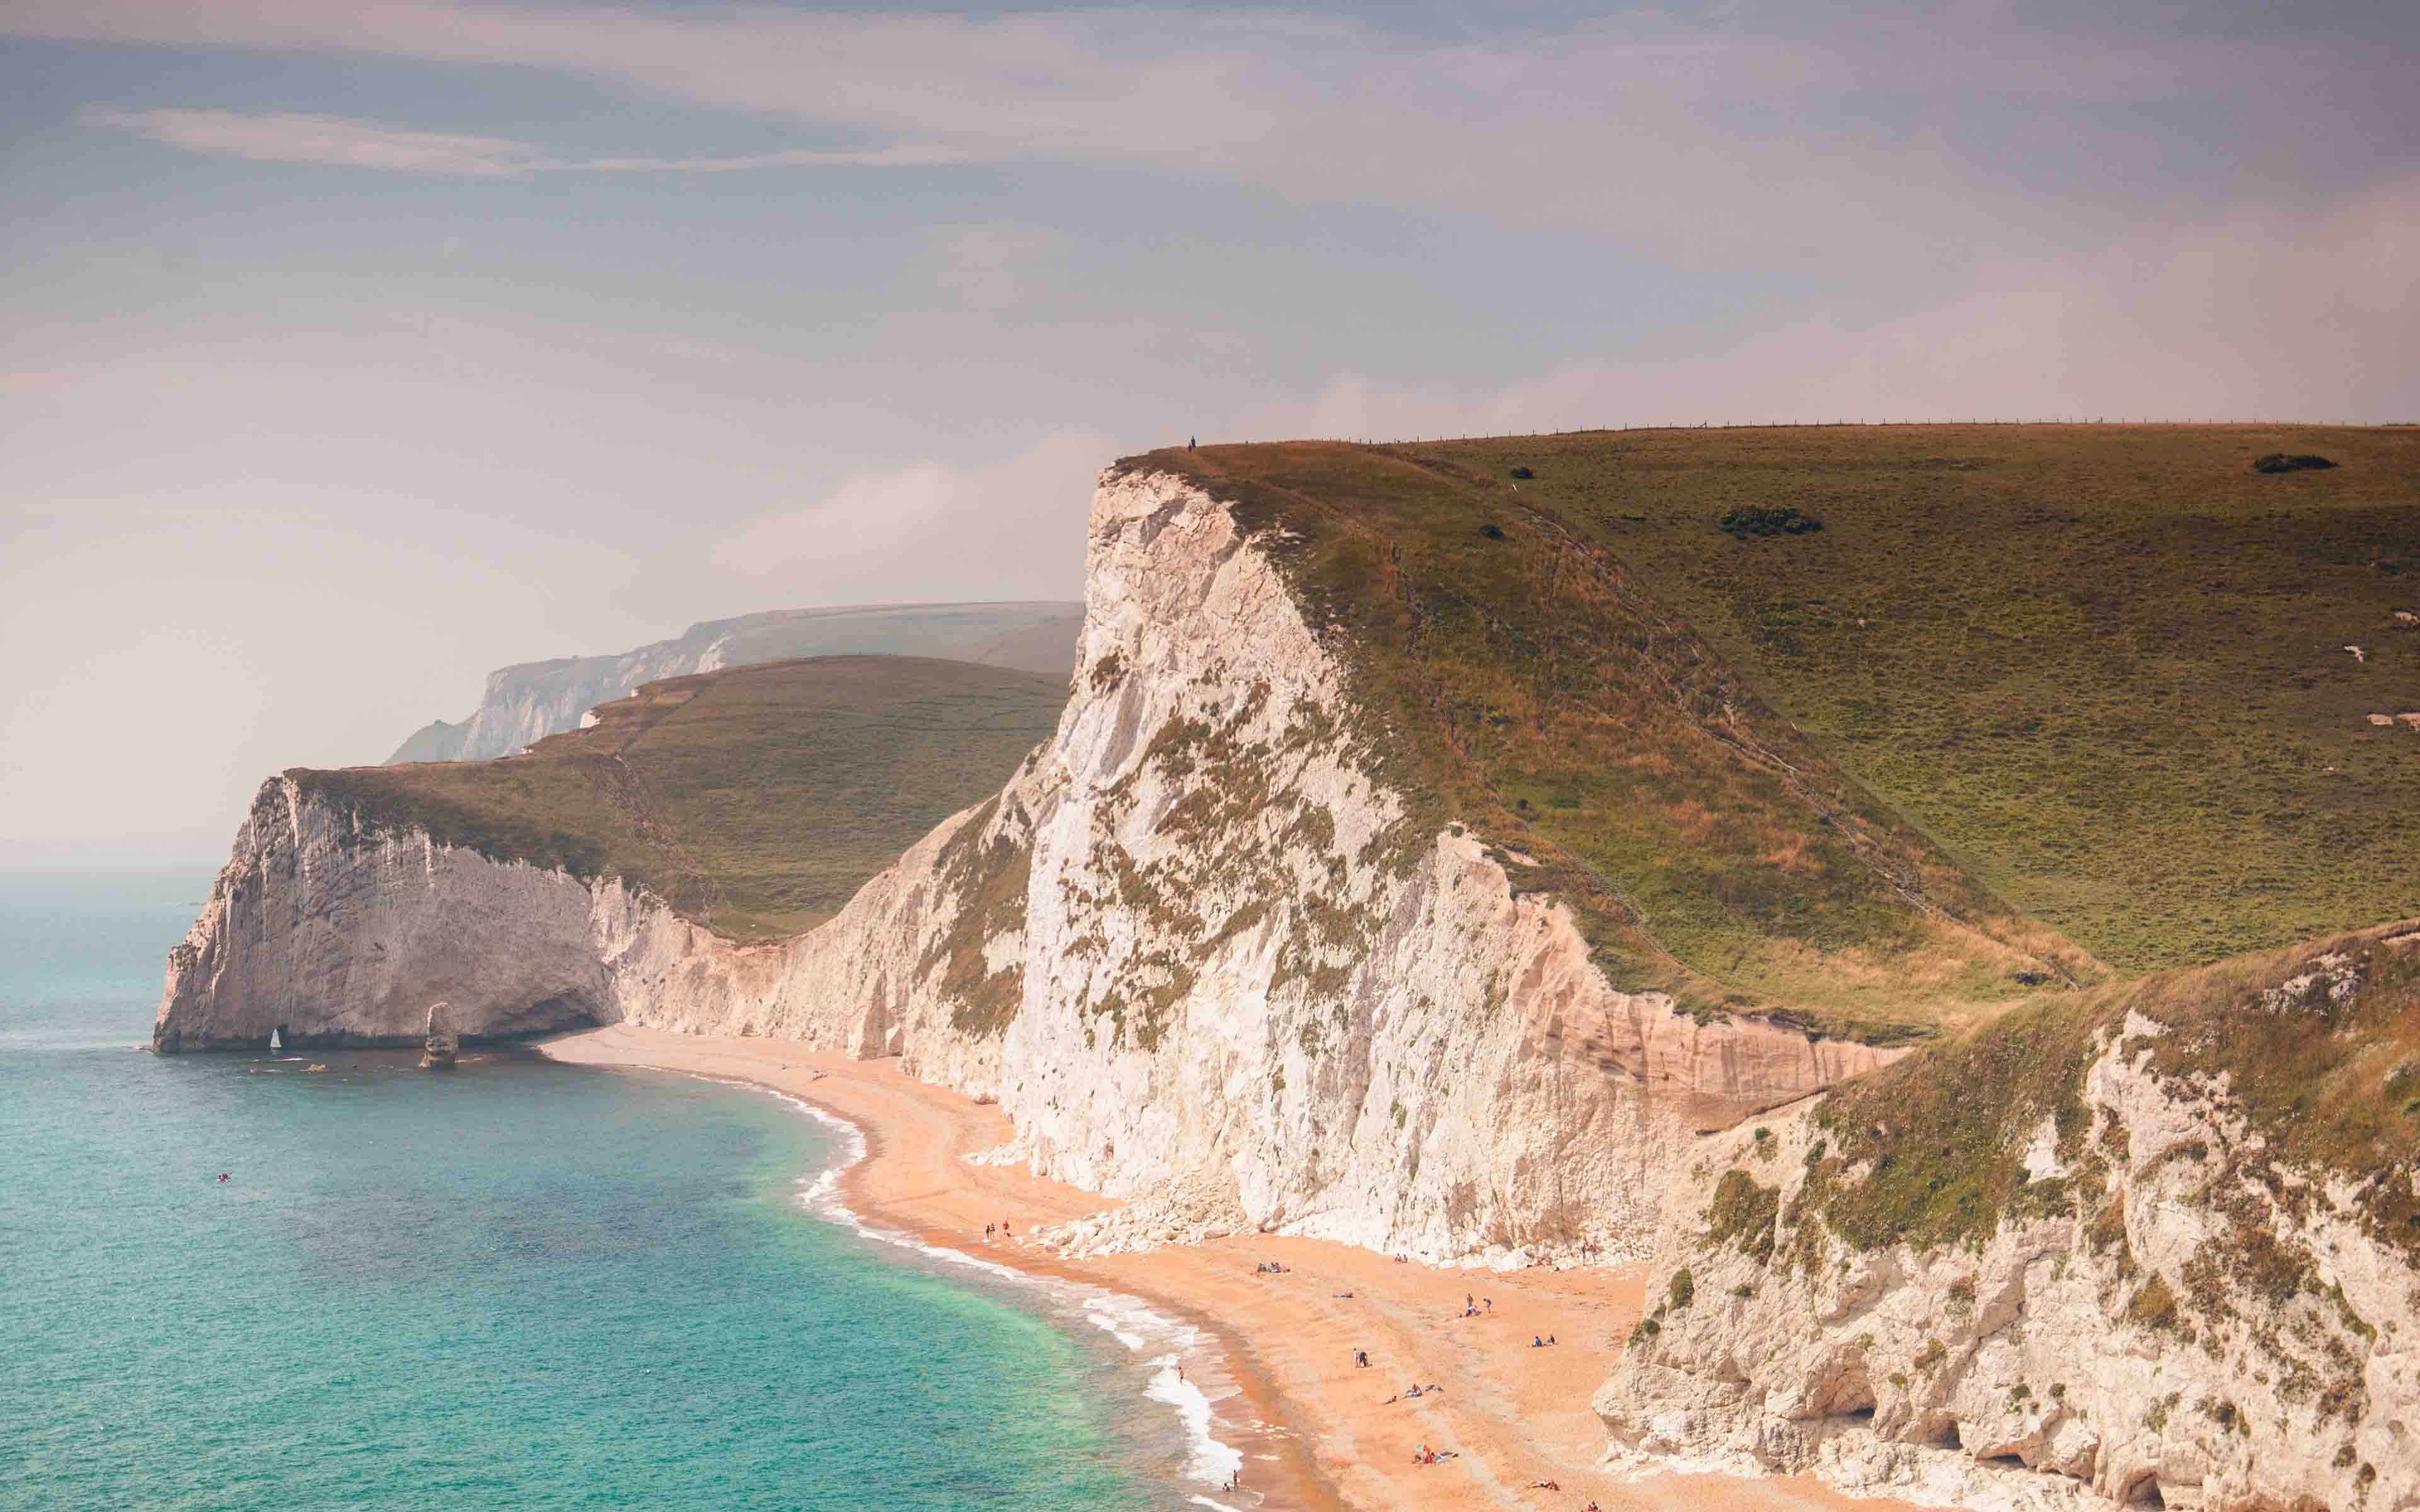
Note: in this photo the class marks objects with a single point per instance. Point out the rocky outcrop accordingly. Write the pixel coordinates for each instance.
(444, 1045)
(337, 937)
(2162, 1315)
(1197, 949)
(526, 703)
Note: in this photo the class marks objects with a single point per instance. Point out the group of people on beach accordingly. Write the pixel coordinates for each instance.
(1001, 1226)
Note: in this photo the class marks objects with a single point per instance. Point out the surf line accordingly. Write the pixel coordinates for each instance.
(1162, 1344)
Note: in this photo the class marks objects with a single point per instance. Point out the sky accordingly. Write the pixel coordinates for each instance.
(350, 350)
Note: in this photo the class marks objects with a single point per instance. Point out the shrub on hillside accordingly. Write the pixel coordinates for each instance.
(1762, 519)
(2289, 462)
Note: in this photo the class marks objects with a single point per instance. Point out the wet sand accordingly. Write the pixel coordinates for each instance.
(1316, 1431)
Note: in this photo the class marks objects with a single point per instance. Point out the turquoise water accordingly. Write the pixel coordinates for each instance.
(518, 1286)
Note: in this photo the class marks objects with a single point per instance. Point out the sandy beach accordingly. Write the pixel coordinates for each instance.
(1317, 1430)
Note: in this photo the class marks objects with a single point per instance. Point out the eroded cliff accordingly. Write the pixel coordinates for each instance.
(2163, 1255)
(524, 703)
(1197, 946)
(1400, 871)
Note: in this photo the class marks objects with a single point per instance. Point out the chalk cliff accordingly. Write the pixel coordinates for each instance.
(1196, 947)
(2169, 1306)
(2147, 1242)
(526, 702)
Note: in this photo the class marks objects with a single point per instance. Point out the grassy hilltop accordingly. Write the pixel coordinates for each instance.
(755, 801)
(2033, 705)
(2036, 707)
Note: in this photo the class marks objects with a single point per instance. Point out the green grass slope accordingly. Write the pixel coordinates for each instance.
(2096, 712)
(755, 801)
(2102, 666)
(2321, 1062)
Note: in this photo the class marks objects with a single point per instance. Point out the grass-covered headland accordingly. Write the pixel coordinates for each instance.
(755, 801)
(1889, 723)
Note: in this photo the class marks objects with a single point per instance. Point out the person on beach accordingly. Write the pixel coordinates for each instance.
(1491, 1303)
(1361, 1359)
(1537, 1343)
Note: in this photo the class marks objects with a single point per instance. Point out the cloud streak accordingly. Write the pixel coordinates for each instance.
(338, 141)
(1747, 134)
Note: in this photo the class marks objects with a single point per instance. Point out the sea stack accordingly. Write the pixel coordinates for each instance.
(443, 1044)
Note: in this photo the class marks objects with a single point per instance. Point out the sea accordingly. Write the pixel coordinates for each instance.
(522, 1285)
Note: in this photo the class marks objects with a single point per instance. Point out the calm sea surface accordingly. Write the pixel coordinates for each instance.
(518, 1286)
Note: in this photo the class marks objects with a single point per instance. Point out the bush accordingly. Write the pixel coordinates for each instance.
(1762, 519)
(2289, 462)
(1524, 473)
(1493, 531)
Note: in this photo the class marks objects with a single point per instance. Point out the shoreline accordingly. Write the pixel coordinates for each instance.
(826, 1196)
(1316, 1432)
(1278, 1477)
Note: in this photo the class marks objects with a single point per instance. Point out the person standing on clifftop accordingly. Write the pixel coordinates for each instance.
(1189, 443)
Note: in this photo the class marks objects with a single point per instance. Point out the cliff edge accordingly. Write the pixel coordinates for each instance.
(1400, 870)
(1200, 944)
(2155, 1248)
(526, 702)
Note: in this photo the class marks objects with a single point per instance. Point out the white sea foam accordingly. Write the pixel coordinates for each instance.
(1129, 1320)
(1210, 1459)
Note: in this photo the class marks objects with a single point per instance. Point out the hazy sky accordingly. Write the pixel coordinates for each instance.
(350, 348)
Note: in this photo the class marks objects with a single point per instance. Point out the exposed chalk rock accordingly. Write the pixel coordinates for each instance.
(2156, 1348)
(1195, 949)
(524, 704)
(443, 1044)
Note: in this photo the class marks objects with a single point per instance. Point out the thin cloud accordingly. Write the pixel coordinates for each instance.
(338, 141)
(1008, 528)
(286, 137)
(1742, 134)
(2152, 329)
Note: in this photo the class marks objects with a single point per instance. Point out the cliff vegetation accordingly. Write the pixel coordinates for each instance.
(1528, 684)
(754, 800)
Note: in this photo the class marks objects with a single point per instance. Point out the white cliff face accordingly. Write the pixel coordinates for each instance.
(1244, 963)
(524, 705)
(2211, 1335)
(342, 938)
(1200, 953)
